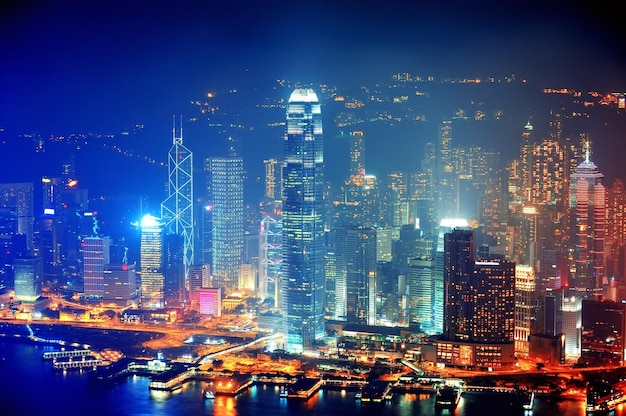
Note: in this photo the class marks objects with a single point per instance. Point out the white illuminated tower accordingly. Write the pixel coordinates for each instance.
(177, 209)
(303, 222)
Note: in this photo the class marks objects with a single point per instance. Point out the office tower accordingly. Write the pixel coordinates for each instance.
(331, 309)
(199, 277)
(383, 244)
(421, 293)
(28, 278)
(479, 295)
(174, 290)
(616, 231)
(177, 209)
(271, 252)
(303, 227)
(562, 311)
(152, 263)
(396, 204)
(357, 153)
(355, 281)
(446, 174)
(247, 278)
(273, 178)
(588, 223)
(226, 200)
(96, 256)
(119, 284)
(603, 330)
(19, 198)
(525, 307)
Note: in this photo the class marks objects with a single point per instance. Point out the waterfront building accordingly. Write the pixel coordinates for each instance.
(28, 272)
(96, 256)
(479, 305)
(152, 263)
(588, 223)
(177, 209)
(226, 199)
(303, 227)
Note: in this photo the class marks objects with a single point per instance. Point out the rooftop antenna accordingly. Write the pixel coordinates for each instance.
(178, 139)
(587, 152)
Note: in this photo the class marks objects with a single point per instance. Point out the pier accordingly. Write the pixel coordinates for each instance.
(377, 391)
(304, 388)
(233, 385)
(172, 379)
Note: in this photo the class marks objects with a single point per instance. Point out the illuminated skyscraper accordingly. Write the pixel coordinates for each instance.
(96, 255)
(177, 209)
(152, 263)
(303, 227)
(28, 278)
(479, 294)
(226, 200)
(587, 210)
(271, 252)
(525, 305)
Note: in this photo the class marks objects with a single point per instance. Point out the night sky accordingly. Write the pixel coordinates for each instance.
(104, 66)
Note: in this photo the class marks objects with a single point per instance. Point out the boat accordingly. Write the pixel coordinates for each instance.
(284, 392)
(209, 391)
(447, 397)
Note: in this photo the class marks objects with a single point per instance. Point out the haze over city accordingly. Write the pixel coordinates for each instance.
(357, 168)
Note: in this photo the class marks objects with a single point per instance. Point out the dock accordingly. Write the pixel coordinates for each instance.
(376, 391)
(232, 385)
(304, 388)
(172, 379)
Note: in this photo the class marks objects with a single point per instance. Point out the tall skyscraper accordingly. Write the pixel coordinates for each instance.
(152, 263)
(479, 294)
(588, 223)
(226, 199)
(303, 226)
(177, 209)
(96, 255)
(355, 280)
(271, 252)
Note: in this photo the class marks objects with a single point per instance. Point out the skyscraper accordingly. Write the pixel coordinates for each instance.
(152, 263)
(588, 222)
(177, 209)
(226, 199)
(96, 255)
(28, 278)
(303, 227)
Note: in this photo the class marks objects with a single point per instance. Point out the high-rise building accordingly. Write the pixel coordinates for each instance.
(199, 277)
(174, 290)
(603, 330)
(525, 307)
(96, 256)
(177, 209)
(226, 199)
(119, 285)
(355, 281)
(271, 252)
(562, 311)
(152, 263)
(479, 294)
(588, 223)
(19, 198)
(28, 278)
(303, 226)
(421, 293)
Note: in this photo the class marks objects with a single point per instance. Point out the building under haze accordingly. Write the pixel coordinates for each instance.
(588, 222)
(303, 226)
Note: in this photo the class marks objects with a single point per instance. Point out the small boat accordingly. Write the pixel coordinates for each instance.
(209, 392)
(284, 392)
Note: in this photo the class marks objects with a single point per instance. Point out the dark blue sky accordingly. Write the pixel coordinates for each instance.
(71, 64)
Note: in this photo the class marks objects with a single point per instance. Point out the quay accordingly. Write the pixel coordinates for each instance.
(304, 388)
(173, 378)
(377, 391)
(54, 355)
(232, 385)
